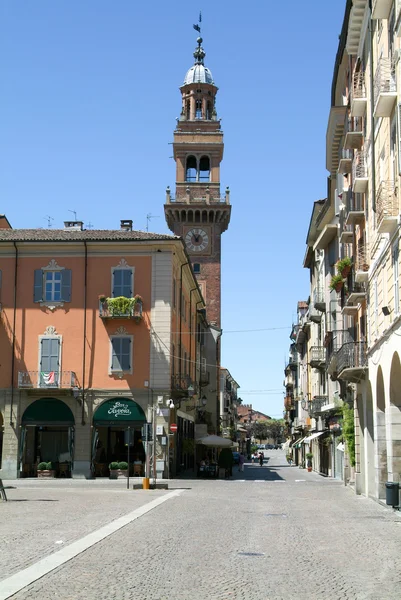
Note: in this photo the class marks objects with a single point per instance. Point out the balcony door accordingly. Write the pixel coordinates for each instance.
(49, 362)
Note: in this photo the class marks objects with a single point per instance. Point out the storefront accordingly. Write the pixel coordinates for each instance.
(117, 429)
(47, 435)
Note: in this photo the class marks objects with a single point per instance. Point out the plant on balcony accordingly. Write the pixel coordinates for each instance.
(102, 298)
(336, 283)
(120, 305)
(344, 266)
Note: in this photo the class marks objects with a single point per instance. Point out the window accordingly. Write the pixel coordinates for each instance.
(122, 283)
(121, 354)
(49, 361)
(198, 113)
(396, 282)
(190, 174)
(52, 285)
(204, 169)
(197, 268)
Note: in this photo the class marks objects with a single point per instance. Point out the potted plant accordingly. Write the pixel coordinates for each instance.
(309, 457)
(45, 470)
(344, 266)
(113, 467)
(138, 307)
(336, 283)
(102, 298)
(122, 469)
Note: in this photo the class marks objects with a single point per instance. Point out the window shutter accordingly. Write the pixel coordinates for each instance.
(127, 283)
(66, 285)
(117, 283)
(115, 358)
(38, 285)
(126, 354)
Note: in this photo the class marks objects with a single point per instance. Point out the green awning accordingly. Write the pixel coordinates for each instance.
(118, 411)
(48, 411)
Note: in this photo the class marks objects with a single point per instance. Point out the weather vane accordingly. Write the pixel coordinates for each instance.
(197, 26)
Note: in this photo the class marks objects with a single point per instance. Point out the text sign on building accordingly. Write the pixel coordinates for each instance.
(120, 410)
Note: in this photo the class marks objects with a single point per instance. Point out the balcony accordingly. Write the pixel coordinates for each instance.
(355, 209)
(356, 291)
(345, 164)
(336, 339)
(121, 308)
(288, 402)
(387, 207)
(353, 133)
(359, 172)
(362, 264)
(317, 356)
(315, 315)
(347, 235)
(182, 385)
(329, 233)
(39, 380)
(381, 9)
(352, 363)
(316, 405)
(384, 88)
(319, 298)
(358, 95)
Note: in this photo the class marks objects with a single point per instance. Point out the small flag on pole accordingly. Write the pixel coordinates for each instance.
(197, 28)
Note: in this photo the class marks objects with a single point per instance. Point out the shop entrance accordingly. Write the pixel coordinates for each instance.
(117, 428)
(47, 435)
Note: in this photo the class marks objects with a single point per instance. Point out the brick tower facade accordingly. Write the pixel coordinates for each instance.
(198, 213)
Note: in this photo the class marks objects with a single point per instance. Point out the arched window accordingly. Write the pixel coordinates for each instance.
(209, 111)
(198, 112)
(190, 174)
(204, 169)
(188, 109)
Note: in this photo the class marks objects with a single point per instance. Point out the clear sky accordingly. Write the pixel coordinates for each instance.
(89, 98)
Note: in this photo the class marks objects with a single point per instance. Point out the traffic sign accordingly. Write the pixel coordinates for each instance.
(173, 427)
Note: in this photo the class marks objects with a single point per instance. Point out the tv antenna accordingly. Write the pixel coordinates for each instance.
(149, 217)
(49, 220)
(89, 225)
(74, 213)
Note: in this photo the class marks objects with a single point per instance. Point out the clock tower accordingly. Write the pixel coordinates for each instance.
(198, 213)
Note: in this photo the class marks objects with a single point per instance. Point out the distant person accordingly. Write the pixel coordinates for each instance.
(261, 458)
(254, 456)
(241, 462)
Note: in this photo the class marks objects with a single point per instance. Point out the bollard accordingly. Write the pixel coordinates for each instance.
(145, 483)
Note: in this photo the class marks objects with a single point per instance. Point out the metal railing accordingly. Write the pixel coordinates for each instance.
(183, 383)
(384, 80)
(387, 203)
(319, 298)
(358, 85)
(354, 125)
(47, 379)
(359, 165)
(362, 259)
(107, 311)
(337, 339)
(352, 355)
(317, 404)
(323, 212)
(317, 354)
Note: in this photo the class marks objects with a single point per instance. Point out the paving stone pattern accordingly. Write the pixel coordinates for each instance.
(271, 539)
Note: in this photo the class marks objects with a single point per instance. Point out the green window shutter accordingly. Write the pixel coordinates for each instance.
(126, 354)
(66, 279)
(115, 355)
(38, 286)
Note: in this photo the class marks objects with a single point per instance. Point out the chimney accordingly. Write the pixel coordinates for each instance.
(74, 225)
(126, 224)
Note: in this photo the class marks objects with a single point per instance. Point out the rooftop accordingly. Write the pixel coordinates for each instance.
(92, 235)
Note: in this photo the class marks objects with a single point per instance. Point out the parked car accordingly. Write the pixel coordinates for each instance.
(236, 458)
(269, 447)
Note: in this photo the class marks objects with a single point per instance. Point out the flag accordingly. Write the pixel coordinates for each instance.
(197, 28)
(48, 378)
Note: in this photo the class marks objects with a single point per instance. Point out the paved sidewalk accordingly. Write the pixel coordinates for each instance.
(276, 533)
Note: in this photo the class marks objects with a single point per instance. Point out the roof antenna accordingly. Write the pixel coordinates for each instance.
(148, 218)
(89, 225)
(49, 220)
(74, 213)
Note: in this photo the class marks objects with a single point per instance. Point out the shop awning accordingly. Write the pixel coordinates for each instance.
(48, 411)
(298, 443)
(118, 411)
(312, 437)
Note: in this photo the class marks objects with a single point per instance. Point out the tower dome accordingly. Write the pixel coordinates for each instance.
(198, 73)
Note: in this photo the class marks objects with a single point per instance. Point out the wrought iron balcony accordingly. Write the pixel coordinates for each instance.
(319, 298)
(359, 172)
(353, 133)
(352, 362)
(288, 402)
(362, 262)
(314, 314)
(387, 207)
(183, 385)
(384, 88)
(347, 234)
(47, 380)
(317, 404)
(345, 164)
(358, 95)
(355, 208)
(317, 356)
(128, 308)
(335, 340)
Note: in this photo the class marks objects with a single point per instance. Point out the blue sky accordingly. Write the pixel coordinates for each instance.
(89, 100)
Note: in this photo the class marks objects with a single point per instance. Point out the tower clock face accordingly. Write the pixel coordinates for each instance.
(196, 240)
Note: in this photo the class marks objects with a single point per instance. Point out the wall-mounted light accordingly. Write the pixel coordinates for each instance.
(386, 311)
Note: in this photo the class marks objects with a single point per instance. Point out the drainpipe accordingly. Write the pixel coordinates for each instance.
(13, 340)
(84, 348)
(190, 327)
(372, 119)
(180, 357)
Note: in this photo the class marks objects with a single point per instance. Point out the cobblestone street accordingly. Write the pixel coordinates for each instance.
(271, 533)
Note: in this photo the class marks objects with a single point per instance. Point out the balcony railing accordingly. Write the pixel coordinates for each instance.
(315, 315)
(183, 385)
(317, 404)
(359, 172)
(352, 361)
(47, 380)
(353, 133)
(319, 298)
(317, 356)
(384, 88)
(335, 340)
(347, 234)
(362, 262)
(127, 308)
(358, 95)
(288, 403)
(387, 207)
(345, 164)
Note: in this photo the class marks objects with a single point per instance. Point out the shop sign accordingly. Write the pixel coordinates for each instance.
(119, 409)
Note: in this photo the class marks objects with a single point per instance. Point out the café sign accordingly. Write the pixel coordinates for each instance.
(118, 410)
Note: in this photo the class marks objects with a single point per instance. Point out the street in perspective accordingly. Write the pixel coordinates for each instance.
(200, 383)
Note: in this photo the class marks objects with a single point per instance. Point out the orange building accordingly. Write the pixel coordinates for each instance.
(97, 329)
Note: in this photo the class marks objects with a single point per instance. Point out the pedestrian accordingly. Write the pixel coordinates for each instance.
(261, 458)
(241, 462)
(254, 456)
